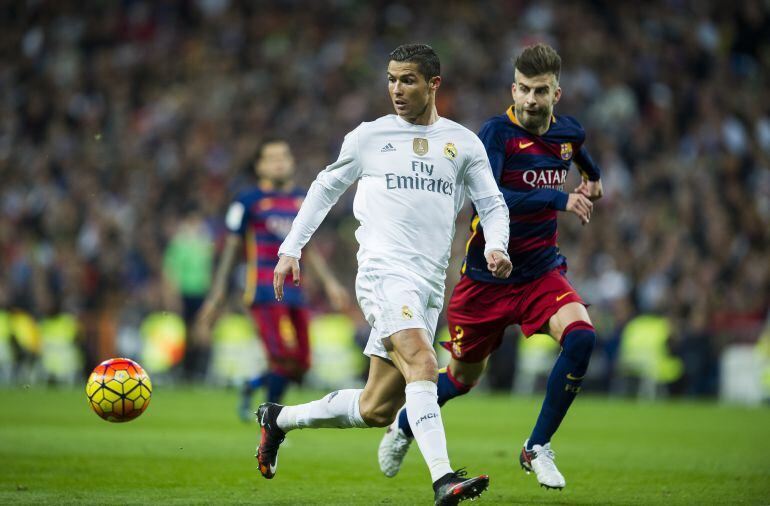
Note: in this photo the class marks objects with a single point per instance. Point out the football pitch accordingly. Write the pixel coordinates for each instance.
(189, 448)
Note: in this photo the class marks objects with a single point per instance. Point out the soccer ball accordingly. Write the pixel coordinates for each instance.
(118, 390)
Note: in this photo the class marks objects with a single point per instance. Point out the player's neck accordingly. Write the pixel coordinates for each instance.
(427, 117)
(268, 184)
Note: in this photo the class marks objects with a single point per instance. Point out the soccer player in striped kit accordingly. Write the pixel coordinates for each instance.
(257, 221)
(530, 150)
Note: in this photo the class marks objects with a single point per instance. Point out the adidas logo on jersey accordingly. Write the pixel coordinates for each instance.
(387, 148)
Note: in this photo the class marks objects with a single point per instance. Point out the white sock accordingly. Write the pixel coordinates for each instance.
(338, 410)
(425, 419)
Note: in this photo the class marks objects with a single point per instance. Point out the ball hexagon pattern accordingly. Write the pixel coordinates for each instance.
(118, 390)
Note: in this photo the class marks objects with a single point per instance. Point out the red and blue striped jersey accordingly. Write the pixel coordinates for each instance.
(530, 171)
(263, 217)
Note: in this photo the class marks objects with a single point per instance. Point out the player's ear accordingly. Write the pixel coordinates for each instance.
(434, 83)
(513, 90)
(557, 94)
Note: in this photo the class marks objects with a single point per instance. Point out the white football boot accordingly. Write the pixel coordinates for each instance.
(540, 461)
(393, 448)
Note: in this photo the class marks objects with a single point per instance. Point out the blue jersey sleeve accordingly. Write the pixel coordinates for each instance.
(586, 165)
(519, 202)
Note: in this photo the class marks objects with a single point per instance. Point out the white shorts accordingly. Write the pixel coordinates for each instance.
(395, 300)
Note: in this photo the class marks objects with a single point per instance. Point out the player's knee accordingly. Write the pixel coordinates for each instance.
(579, 340)
(423, 366)
(466, 373)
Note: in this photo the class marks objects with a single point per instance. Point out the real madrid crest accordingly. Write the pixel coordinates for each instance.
(450, 151)
(406, 313)
(420, 146)
(566, 151)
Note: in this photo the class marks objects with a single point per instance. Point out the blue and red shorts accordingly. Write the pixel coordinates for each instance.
(284, 332)
(479, 312)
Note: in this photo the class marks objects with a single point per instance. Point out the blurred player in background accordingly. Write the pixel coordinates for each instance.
(530, 150)
(258, 220)
(413, 170)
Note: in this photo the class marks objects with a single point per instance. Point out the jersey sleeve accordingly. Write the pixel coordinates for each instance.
(586, 165)
(323, 194)
(488, 200)
(494, 148)
(479, 178)
(236, 218)
(518, 202)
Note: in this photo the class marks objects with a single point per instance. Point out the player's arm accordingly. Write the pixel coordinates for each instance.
(493, 213)
(337, 294)
(591, 184)
(213, 303)
(236, 222)
(536, 199)
(322, 195)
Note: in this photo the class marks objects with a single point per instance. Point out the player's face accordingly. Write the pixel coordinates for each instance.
(534, 98)
(410, 93)
(276, 162)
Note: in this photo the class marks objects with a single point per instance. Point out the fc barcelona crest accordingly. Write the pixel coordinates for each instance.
(450, 151)
(420, 146)
(566, 151)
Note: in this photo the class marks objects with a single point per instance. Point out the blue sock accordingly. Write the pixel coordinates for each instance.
(448, 388)
(257, 381)
(564, 381)
(276, 385)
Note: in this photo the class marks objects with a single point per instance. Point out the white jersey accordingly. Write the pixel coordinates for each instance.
(412, 181)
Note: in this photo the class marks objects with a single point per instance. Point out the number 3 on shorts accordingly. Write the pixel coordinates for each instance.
(457, 341)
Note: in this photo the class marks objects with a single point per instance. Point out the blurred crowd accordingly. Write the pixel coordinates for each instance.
(126, 127)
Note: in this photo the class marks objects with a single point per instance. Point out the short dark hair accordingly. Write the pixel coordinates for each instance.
(422, 54)
(537, 60)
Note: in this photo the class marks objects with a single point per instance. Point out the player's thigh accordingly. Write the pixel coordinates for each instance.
(267, 321)
(550, 303)
(478, 314)
(565, 316)
(300, 322)
(299, 319)
(383, 394)
(411, 351)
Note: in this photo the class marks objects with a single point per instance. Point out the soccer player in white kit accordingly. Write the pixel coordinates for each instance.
(413, 170)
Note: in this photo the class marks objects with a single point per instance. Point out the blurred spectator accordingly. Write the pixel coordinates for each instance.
(188, 267)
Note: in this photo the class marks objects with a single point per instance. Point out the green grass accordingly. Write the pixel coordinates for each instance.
(188, 448)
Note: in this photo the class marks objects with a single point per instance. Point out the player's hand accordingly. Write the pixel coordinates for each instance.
(499, 264)
(338, 296)
(579, 204)
(286, 265)
(590, 189)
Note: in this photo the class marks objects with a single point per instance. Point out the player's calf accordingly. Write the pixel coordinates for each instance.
(565, 380)
(399, 436)
(448, 386)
